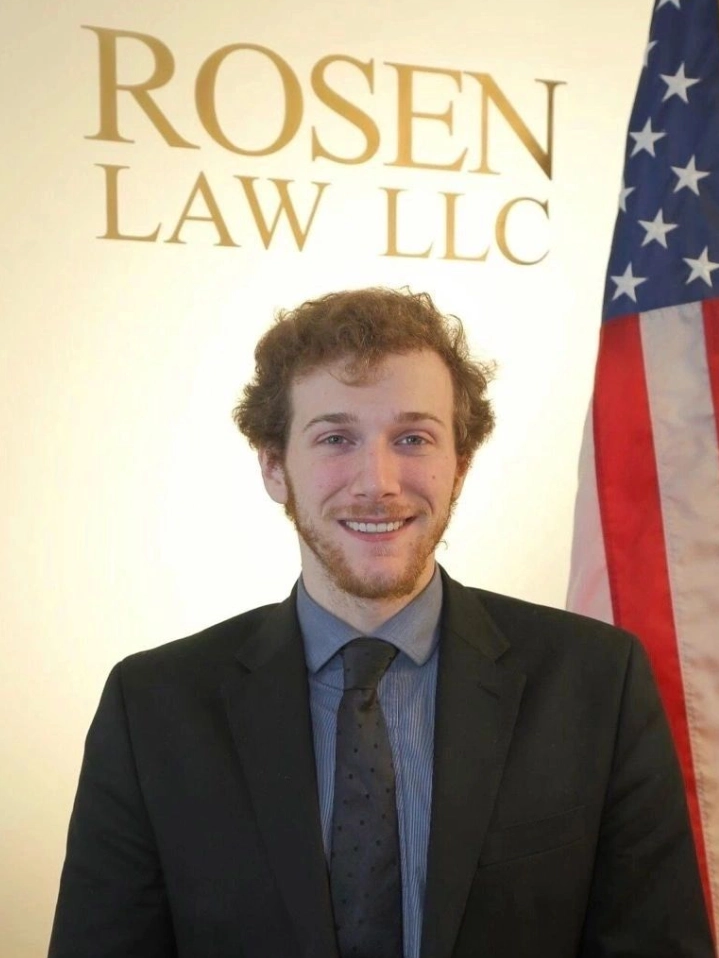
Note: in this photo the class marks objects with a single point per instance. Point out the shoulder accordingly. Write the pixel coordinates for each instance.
(206, 654)
(531, 632)
(512, 612)
(582, 666)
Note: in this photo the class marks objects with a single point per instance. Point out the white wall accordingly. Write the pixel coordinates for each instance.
(133, 513)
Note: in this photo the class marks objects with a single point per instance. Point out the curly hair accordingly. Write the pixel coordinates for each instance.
(363, 327)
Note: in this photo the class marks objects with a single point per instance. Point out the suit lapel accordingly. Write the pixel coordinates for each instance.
(267, 702)
(477, 702)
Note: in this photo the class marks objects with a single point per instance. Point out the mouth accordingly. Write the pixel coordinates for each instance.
(374, 528)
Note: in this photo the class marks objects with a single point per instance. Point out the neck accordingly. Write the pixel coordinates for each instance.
(365, 615)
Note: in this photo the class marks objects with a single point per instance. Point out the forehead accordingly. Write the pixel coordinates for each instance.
(417, 381)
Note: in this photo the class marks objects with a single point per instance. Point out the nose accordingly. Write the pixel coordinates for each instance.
(378, 473)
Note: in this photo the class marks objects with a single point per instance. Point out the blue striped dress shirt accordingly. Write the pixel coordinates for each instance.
(407, 696)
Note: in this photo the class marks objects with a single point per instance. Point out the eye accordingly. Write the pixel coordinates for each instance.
(333, 440)
(413, 440)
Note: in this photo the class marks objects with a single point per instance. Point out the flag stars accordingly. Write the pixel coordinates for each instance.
(627, 283)
(688, 176)
(645, 139)
(650, 46)
(702, 267)
(678, 84)
(657, 230)
(623, 194)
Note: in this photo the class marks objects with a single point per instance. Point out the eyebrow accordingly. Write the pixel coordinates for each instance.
(346, 419)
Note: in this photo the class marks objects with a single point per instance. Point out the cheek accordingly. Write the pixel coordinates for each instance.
(436, 480)
(328, 477)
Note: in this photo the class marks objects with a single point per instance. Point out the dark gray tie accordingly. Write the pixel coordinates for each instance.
(364, 866)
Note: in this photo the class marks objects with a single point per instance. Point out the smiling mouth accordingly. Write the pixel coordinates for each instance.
(374, 527)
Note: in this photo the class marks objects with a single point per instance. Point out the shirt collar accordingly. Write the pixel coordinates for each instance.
(414, 630)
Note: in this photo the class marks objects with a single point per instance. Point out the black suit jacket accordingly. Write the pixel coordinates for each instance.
(559, 827)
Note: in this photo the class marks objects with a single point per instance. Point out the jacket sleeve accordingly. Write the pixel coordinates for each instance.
(112, 901)
(646, 899)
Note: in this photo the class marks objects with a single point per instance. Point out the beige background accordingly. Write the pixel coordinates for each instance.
(132, 513)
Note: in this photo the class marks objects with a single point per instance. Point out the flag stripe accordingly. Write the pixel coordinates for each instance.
(588, 585)
(630, 511)
(684, 430)
(711, 338)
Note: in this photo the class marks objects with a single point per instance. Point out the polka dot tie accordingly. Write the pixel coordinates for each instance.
(364, 866)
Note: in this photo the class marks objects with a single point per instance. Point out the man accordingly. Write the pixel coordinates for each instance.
(387, 764)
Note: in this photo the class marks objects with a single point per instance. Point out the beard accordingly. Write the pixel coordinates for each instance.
(339, 570)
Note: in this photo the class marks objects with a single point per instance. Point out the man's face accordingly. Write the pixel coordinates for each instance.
(370, 476)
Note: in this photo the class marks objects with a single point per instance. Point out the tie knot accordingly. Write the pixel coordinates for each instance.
(366, 661)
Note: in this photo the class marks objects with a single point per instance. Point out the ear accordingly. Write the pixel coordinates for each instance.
(273, 474)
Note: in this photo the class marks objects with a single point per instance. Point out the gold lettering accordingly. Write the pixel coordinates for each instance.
(112, 215)
(202, 188)
(207, 107)
(501, 230)
(110, 87)
(450, 202)
(492, 92)
(342, 107)
(406, 113)
(285, 206)
(392, 218)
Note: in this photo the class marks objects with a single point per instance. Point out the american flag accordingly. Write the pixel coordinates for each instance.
(646, 538)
